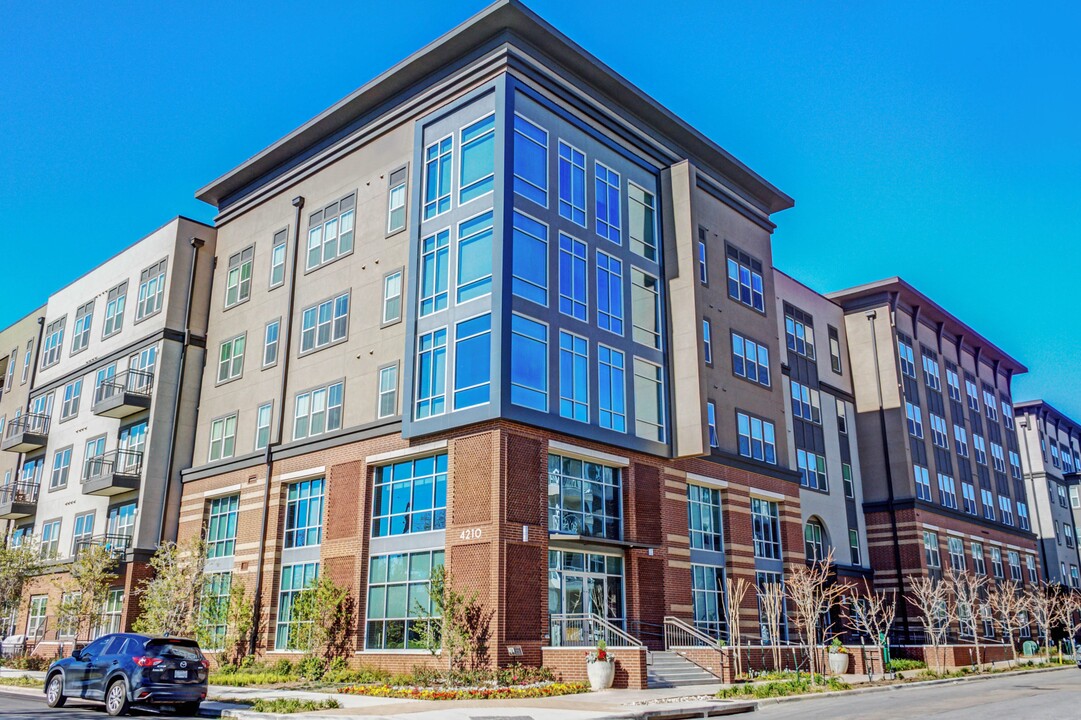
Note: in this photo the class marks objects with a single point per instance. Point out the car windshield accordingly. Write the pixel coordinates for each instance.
(181, 649)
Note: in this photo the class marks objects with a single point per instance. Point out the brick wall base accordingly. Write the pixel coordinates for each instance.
(569, 665)
(952, 657)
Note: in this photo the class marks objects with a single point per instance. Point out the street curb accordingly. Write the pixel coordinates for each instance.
(718, 709)
(902, 686)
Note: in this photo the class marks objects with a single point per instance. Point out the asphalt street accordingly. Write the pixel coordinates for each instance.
(23, 707)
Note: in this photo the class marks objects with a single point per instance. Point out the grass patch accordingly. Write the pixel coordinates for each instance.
(292, 705)
(240, 678)
(552, 689)
(782, 688)
(900, 664)
(21, 681)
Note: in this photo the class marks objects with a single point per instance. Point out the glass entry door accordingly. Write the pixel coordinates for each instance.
(580, 585)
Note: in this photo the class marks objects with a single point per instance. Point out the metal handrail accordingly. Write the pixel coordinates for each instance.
(114, 462)
(138, 382)
(19, 492)
(116, 543)
(29, 422)
(592, 629)
(678, 633)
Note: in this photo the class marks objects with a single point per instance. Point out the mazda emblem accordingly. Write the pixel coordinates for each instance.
(183, 663)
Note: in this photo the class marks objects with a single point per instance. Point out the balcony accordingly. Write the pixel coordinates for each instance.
(124, 394)
(26, 433)
(115, 472)
(117, 544)
(18, 500)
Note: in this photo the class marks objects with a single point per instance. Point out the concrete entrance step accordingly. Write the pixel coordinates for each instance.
(669, 669)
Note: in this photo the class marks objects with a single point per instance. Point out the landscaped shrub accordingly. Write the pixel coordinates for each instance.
(312, 667)
(292, 705)
(502, 693)
(518, 674)
(21, 681)
(899, 664)
(283, 667)
(783, 688)
(27, 662)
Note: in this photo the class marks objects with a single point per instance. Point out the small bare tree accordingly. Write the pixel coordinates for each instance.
(931, 597)
(1008, 605)
(1042, 602)
(1067, 613)
(968, 591)
(872, 615)
(735, 591)
(813, 595)
(771, 599)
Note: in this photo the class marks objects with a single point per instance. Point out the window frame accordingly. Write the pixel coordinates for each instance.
(160, 269)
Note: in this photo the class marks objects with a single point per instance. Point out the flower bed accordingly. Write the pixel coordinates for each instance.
(473, 693)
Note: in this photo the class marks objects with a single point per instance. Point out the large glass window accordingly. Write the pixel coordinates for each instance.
(121, 521)
(814, 541)
(607, 199)
(530, 161)
(812, 469)
(238, 277)
(54, 341)
(330, 232)
(583, 583)
(472, 361)
(745, 279)
(317, 411)
(609, 293)
(151, 290)
(572, 184)
(35, 619)
(528, 363)
(806, 402)
(399, 606)
(707, 597)
(923, 482)
(114, 311)
(80, 334)
(611, 389)
(645, 308)
(213, 617)
(434, 262)
(648, 401)
(325, 323)
(757, 438)
(474, 273)
(221, 526)
(231, 359)
(642, 218)
(304, 513)
(410, 497)
(529, 259)
(477, 175)
(437, 168)
(295, 579)
(431, 373)
(583, 498)
(766, 528)
(573, 299)
(573, 377)
(704, 518)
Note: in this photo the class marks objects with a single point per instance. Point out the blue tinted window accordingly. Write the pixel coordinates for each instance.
(572, 277)
(431, 373)
(573, 377)
(472, 361)
(611, 389)
(607, 197)
(530, 161)
(478, 159)
(529, 259)
(475, 257)
(572, 184)
(609, 293)
(410, 497)
(528, 363)
(434, 260)
(437, 162)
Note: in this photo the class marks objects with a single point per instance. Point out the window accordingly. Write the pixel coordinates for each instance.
(1075, 580)
(35, 619)
(388, 391)
(642, 218)
(396, 201)
(304, 513)
(50, 539)
(270, 343)
(953, 384)
(978, 565)
(842, 417)
(968, 493)
(399, 608)
(938, 431)
(114, 310)
(277, 259)
(73, 392)
(745, 279)
(988, 502)
(756, 438)
(961, 437)
(295, 579)
(54, 340)
(530, 161)
(1015, 565)
(1030, 565)
(572, 184)
(930, 371)
(972, 393)
(529, 260)
(9, 383)
(854, 546)
(763, 579)
(930, 548)
(392, 297)
(437, 164)
(573, 377)
(814, 543)
(915, 419)
(151, 290)
(1006, 507)
(435, 256)
(799, 337)
(609, 293)
(318, 411)
(1068, 529)
(707, 598)
(923, 483)
(477, 175)
(707, 342)
(956, 548)
(711, 421)
(583, 498)
(410, 497)
(221, 526)
(805, 403)
(648, 401)
(61, 468)
(607, 203)
(121, 520)
(238, 277)
(80, 333)
(750, 360)
(262, 425)
(835, 350)
(947, 491)
(907, 358)
(812, 468)
(214, 609)
(222, 438)
(645, 309)
(231, 359)
(846, 478)
(84, 530)
(1054, 454)
(990, 404)
(703, 264)
(472, 361)
(26, 361)
(1007, 415)
(572, 277)
(998, 460)
(980, 449)
(611, 389)
(330, 232)
(92, 456)
(431, 372)
(474, 271)
(766, 528)
(529, 363)
(324, 324)
(1075, 497)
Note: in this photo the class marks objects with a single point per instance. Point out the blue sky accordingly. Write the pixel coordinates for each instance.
(936, 141)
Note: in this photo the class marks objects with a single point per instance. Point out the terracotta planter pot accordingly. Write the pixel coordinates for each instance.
(601, 674)
(838, 663)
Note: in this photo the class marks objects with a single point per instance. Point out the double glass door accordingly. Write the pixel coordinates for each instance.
(580, 585)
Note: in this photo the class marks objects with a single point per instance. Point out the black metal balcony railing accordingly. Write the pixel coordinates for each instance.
(115, 462)
(117, 544)
(136, 382)
(19, 492)
(30, 423)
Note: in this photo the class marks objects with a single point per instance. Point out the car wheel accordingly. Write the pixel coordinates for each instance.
(54, 691)
(188, 708)
(116, 697)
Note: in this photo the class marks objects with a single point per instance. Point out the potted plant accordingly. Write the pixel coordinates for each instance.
(600, 667)
(838, 657)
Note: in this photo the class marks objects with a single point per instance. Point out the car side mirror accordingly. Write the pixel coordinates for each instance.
(76, 654)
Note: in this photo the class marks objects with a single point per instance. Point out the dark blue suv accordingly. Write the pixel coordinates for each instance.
(125, 669)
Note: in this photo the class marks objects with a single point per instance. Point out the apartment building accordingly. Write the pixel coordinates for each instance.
(112, 396)
(1050, 448)
(942, 478)
(500, 311)
(822, 430)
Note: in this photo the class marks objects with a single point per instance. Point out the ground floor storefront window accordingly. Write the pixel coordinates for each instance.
(707, 597)
(582, 584)
(399, 606)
